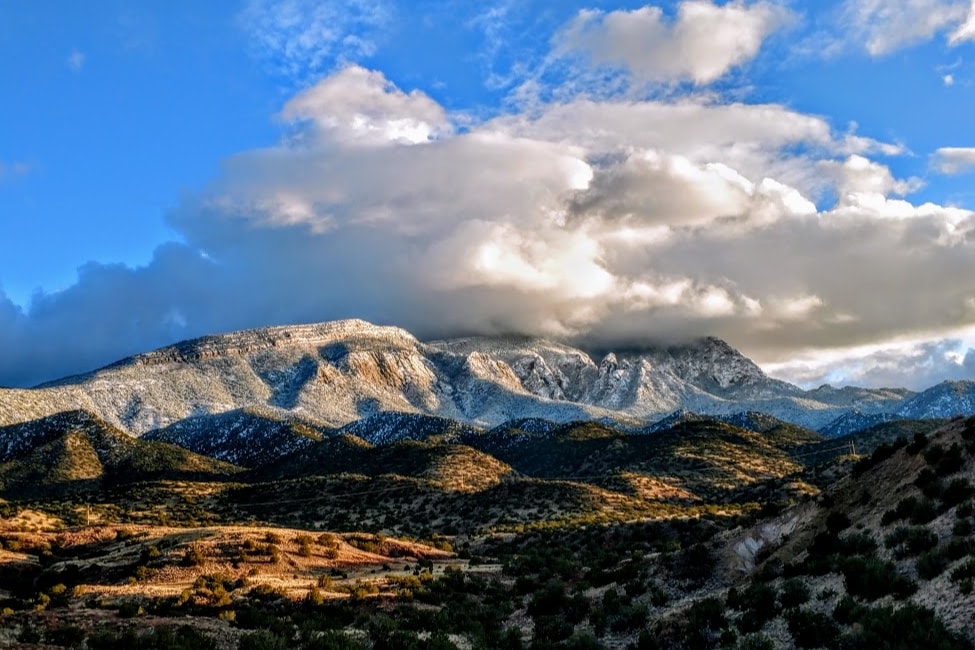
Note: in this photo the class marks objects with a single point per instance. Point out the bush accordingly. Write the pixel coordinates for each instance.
(873, 578)
(811, 629)
(907, 628)
(263, 640)
(794, 593)
(918, 511)
(910, 541)
(957, 491)
(757, 604)
(933, 563)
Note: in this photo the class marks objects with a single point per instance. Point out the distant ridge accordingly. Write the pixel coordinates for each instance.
(331, 375)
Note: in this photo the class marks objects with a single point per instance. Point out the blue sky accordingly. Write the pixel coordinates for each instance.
(795, 177)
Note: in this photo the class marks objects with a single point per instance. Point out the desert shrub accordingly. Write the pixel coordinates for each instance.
(794, 593)
(880, 454)
(909, 541)
(873, 578)
(945, 461)
(965, 572)
(757, 604)
(335, 640)
(934, 562)
(957, 491)
(193, 556)
(756, 642)
(962, 528)
(160, 638)
(811, 629)
(263, 640)
(549, 631)
(583, 641)
(856, 544)
(909, 627)
(918, 511)
(694, 564)
(66, 636)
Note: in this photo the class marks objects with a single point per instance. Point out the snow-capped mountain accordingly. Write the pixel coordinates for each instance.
(331, 375)
(946, 400)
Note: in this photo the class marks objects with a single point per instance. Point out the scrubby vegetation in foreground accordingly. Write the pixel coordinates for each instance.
(884, 558)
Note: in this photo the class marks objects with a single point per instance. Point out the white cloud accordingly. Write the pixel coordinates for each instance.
(300, 40)
(607, 221)
(701, 44)
(361, 106)
(954, 160)
(965, 31)
(949, 80)
(76, 61)
(884, 26)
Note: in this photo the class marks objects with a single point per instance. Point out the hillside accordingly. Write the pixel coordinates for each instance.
(77, 451)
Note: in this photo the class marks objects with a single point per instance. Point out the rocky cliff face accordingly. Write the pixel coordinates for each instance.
(332, 374)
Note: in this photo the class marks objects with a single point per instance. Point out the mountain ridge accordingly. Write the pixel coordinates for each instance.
(331, 375)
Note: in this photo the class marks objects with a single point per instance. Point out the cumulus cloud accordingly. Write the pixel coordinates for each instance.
(360, 106)
(299, 40)
(701, 44)
(605, 222)
(889, 25)
(954, 160)
(965, 31)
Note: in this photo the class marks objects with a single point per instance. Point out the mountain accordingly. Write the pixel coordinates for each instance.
(331, 375)
(855, 420)
(946, 400)
(77, 450)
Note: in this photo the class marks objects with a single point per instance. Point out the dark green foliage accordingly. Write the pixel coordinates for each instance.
(695, 564)
(552, 600)
(873, 578)
(160, 638)
(794, 593)
(945, 461)
(957, 491)
(756, 642)
(811, 629)
(965, 572)
(707, 613)
(756, 603)
(909, 627)
(549, 631)
(333, 640)
(917, 510)
(856, 544)
(880, 454)
(910, 541)
(66, 636)
(962, 528)
(263, 640)
(584, 641)
(934, 562)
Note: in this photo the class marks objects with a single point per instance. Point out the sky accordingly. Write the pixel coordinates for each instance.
(796, 178)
